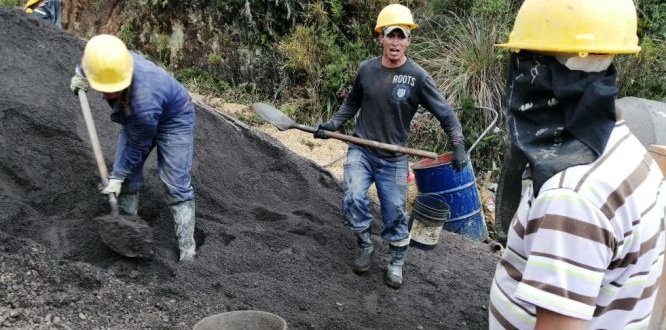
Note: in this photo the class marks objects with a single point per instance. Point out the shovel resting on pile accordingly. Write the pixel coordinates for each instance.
(130, 236)
(283, 122)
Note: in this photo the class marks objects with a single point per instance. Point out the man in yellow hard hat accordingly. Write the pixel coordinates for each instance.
(155, 112)
(49, 10)
(386, 94)
(585, 248)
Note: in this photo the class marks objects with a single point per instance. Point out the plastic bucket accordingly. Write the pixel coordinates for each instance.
(242, 320)
(438, 177)
(426, 221)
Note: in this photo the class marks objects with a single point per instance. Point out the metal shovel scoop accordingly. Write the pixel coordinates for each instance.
(128, 235)
(282, 122)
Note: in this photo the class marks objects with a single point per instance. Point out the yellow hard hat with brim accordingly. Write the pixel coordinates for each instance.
(395, 14)
(107, 63)
(29, 4)
(574, 26)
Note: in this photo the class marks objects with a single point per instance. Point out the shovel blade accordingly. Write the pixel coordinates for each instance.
(274, 116)
(129, 236)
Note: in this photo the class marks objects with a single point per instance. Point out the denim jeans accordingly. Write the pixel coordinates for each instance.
(175, 143)
(51, 11)
(361, 169)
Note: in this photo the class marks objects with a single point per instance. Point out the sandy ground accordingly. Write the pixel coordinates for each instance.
(268, 232)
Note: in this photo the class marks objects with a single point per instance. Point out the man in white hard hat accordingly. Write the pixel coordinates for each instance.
(386, 94)
(155, 112)
(585, 248)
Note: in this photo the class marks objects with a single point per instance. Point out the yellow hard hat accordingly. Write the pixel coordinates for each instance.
(395, 14)
(107, 63)
(29, 4)
(574, 26)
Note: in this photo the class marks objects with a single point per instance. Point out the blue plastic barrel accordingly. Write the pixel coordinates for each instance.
(438, 177)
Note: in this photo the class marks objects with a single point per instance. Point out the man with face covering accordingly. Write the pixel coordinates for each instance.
(586, 246)
(386, 94)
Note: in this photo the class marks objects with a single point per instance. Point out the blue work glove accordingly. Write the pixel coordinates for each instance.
(459, 156)
(325, 126)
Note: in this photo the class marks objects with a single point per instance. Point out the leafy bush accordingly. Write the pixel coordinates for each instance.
(459, 52)
(9, 3)
(321, 59)
(644, 75)
(652, 18)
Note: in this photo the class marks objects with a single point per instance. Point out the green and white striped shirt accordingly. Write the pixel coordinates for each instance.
(590, 246)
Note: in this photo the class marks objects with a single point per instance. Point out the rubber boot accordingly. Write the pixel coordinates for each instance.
(362, 260)
(393, 275)
(128, 203)
(183, 216)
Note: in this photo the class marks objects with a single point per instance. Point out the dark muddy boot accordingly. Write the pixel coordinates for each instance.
(393, 275)
(128, 203)
(362, 261)
(183, 216)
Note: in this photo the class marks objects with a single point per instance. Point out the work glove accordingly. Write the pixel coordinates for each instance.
(325, 126)
(113, 186)
(78, 82)
(459, 156)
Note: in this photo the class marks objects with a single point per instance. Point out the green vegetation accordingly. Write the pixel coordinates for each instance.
(163, 49)
(125, 34)
(644, 75)
(205, 83)
(458, 50)
(9, 3)
(303, 55)
(214, 59)
(323, 57)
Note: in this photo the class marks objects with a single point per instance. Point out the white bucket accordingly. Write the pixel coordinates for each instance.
(242, 320)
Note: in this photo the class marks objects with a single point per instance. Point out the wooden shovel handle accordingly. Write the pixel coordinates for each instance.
(92, 134)
(380, 145)
(97, 148)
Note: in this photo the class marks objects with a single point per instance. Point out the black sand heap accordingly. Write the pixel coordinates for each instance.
(268, 231)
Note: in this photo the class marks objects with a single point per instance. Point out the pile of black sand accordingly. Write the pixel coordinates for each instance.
(268, 231)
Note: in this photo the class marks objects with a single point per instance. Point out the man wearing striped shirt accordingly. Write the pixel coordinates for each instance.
(585, 248)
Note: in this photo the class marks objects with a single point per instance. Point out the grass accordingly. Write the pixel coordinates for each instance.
(9, 3)
(459, 53)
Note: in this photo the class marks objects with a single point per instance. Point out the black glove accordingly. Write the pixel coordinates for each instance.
(459, 156)
(325, 126)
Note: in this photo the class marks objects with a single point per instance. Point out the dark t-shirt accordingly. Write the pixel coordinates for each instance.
(388, 99)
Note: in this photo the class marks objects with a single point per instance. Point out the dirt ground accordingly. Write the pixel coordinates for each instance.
(269, 235)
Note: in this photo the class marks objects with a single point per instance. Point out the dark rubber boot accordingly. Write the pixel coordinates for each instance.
(393, 275)
(362, 261)
(183, 216)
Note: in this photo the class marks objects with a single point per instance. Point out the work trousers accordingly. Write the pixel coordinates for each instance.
(175, 143)
(361, 169)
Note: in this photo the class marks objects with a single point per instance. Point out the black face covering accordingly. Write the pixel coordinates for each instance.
(558, 117)
(122, 106)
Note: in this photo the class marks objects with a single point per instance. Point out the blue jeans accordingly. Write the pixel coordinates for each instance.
(175, 143)
(361, 169)
(51, 11)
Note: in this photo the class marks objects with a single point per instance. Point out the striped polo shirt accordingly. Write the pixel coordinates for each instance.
(589, 246)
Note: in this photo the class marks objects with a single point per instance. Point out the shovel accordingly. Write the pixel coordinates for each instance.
(282, 122)
(130, 236)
